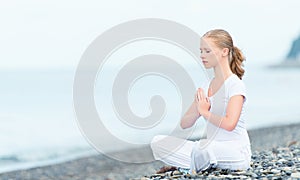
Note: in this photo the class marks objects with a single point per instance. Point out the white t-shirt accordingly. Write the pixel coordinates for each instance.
(232, 86)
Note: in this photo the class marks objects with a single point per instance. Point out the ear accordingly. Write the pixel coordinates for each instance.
(225, 52)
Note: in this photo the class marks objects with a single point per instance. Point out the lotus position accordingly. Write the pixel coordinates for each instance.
(222, 105)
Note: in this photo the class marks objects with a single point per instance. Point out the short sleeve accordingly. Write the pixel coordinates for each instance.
(237, 88)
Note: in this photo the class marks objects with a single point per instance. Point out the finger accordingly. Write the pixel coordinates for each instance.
(200, 95)
(203, 94)
(207, 100)
(196, 97)
(210, 91)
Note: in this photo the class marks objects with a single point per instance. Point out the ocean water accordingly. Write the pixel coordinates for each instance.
(38, 123)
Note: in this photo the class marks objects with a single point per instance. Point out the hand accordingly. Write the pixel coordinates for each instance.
(203, 102)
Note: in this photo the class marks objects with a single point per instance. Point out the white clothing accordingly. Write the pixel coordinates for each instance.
(163, 149)
(222, 148)
(231, 87)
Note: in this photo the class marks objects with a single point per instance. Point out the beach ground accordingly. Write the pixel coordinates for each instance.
(102, 167)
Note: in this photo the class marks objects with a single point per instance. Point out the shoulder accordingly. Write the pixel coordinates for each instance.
(235, 82)
(236, 86)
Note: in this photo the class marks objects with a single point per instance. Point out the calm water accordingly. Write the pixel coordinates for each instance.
(38, 124)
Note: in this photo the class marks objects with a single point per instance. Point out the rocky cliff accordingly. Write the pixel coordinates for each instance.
(295, 50)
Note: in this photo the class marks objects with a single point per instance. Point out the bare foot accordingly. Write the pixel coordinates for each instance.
(166, 169)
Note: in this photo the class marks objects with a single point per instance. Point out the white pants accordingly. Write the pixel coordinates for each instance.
(199, 155)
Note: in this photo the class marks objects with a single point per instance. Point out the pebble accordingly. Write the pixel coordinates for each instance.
(278, 163)
(296, 175)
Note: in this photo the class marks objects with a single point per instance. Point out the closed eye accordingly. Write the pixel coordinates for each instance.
(206, 51)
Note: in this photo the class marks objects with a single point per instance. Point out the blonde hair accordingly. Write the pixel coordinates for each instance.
(222, 39)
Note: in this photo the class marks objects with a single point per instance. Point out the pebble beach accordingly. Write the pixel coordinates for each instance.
(278, 163)
(276, 155)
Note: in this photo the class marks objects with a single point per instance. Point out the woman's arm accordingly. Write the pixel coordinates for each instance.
(233, 111)
(191, 116)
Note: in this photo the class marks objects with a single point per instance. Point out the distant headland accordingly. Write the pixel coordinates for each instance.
(294, 51)
(292, 60)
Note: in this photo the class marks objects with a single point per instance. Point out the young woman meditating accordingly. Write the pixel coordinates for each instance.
(222, 104)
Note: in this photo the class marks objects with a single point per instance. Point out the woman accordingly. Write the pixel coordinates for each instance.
(227, 145)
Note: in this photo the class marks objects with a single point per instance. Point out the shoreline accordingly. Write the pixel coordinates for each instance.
(103, 167)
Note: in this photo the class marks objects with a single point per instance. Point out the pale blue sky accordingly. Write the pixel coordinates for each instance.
(42, 34)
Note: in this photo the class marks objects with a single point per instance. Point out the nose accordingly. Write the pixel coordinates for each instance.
(202, 56)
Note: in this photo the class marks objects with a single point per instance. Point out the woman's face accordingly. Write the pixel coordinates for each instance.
(210, 53)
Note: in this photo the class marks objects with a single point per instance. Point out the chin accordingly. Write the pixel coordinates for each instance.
(207, 67)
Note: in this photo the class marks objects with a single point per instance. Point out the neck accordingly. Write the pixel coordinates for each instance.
(222, 71)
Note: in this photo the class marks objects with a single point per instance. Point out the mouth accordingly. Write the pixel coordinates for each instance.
(204, 62)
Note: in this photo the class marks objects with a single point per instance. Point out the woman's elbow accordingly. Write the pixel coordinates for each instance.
(186, 124)
(230, 125)
(229, 128)
(183, 125)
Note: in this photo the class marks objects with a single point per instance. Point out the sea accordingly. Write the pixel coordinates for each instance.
(38, 123)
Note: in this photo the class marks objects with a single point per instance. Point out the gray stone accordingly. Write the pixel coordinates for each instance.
(295, 175)
(283, 165)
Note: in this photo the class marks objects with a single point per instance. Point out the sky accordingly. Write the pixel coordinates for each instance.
(54, 34)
